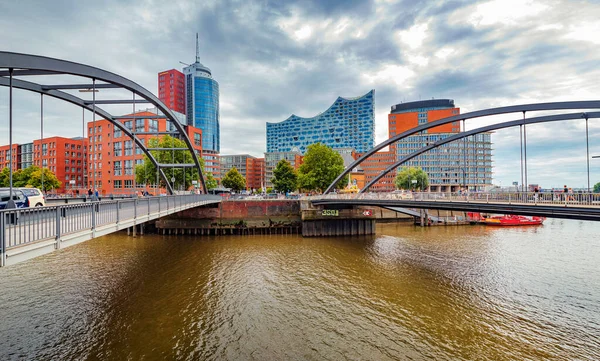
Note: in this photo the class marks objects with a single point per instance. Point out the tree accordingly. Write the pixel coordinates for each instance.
(146, 173)
(597, 187)
(234, 180)
(209, 179)
(284, 179)
(404, 178)
(320, 167)
(4, 177)
(30, 177)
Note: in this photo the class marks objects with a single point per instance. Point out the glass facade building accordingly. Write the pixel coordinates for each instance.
(202, 105)
(465, 163)
(348, 123)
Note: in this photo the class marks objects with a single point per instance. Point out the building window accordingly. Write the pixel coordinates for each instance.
(117, 167)
(117, 148)
(153, 125)
(117, 184)
(128, 167)
(140, 125)
(128, 147)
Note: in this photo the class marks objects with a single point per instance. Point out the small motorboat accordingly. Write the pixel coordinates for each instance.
(513, 220)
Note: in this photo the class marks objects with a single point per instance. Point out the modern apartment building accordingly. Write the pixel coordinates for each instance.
(65, 157)
(348, 123)
(6, 156)
(255, 173)
(272, 158)
(462, 164)
(374, 165)
(171, 89)
(25, 155)
(251, 168)
(113, 155)
(239, 161)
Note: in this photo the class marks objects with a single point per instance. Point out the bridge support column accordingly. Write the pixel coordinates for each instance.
(338, 227)
(337, 222)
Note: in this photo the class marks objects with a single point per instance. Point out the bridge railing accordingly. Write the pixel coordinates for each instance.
(565, 199)
(23, 226)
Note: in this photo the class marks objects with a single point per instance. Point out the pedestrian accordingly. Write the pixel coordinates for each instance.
(90, 192)
(565, 191)
(536, 192)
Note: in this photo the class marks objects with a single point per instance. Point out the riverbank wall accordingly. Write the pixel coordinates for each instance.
(241, 217)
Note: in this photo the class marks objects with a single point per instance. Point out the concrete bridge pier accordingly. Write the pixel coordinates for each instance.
(329, 222)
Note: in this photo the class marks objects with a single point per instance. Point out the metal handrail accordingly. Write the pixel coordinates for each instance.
(545, 198)
(24, 226)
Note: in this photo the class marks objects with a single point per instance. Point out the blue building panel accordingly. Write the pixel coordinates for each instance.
(348, 123)
(202, 105)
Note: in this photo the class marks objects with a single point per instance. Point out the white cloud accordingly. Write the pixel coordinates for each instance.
(414, 36)
(506, 12)
(587, 32)
(400, 75)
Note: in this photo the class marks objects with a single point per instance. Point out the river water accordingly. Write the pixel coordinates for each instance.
(408, 293)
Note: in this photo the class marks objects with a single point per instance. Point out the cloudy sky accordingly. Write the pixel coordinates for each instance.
(277, 58)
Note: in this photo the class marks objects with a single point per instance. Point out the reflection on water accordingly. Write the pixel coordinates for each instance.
(407, 293)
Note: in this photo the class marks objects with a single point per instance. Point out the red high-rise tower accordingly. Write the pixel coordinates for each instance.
(171, 89)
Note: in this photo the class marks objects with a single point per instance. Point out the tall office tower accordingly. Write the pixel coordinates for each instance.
(465, 163)
(202, 103)
(171, 89)
(348, 123)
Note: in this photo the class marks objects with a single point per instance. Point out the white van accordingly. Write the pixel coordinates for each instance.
(35, 196)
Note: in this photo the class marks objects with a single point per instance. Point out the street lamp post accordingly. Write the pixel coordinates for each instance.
(92, 153)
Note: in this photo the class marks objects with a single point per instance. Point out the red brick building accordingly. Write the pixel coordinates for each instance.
(374, 165)
(66, 158)
(116, 156)
(171, 89)
(5, 156)
(255, 173)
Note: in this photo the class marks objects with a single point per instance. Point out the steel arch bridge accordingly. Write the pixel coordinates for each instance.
(573, 105)
(17, 65)
(513, 123)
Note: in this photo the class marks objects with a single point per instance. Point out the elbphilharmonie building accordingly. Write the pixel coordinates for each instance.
(348, 123)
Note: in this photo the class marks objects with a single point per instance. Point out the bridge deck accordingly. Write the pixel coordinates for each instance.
(554, 205)
(30, 232)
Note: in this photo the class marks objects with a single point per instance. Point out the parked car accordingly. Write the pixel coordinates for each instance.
(21, 200)
(35, 196)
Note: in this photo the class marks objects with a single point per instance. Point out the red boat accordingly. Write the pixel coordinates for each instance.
(513, 220)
